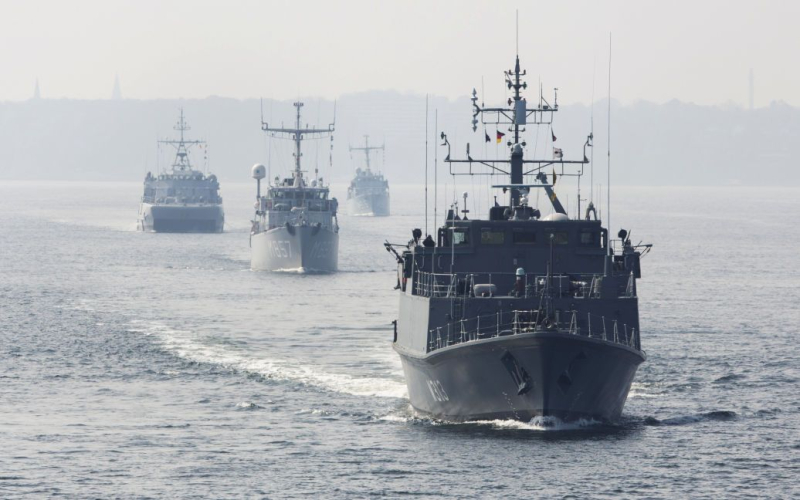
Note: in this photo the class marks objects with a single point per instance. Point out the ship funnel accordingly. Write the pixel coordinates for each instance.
(259, 171)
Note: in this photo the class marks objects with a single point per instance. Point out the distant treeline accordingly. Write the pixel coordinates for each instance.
(668, 144)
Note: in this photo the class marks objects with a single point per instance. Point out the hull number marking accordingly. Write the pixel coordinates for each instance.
(437, 391)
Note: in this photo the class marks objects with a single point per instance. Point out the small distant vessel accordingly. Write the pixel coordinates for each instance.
(295, 225)
(519, 315)
(368, 193)
(183, 200)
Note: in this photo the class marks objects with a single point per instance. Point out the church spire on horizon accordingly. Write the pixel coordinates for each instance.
(116, 94)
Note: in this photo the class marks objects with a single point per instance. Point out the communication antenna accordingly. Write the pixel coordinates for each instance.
(426, 165)
(435, 168)
(330, 153)
(608, 139)
(591, 132)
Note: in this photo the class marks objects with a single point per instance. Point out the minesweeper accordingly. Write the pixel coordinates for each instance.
(519, 315)
(368, 193)
(295, 226)
(183, 200)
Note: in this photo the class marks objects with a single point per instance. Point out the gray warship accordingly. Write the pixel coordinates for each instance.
(368, 193)
(518, 315)
(183, 200)
(295, 226)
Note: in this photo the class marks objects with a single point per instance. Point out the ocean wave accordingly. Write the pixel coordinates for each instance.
(718, 415)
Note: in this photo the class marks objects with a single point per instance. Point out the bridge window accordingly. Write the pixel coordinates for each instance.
(492, 237)
(560, 237)
(589, 238)
(461, 237)
(524, 237)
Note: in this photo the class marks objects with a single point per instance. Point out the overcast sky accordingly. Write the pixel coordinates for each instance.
(696, 51)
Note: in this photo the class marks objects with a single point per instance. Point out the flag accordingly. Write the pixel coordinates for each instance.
(487, 136)
(554, 177)
(553, 134)
(557, 153)
(500, 137)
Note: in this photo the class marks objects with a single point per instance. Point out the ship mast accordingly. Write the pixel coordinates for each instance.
(182, 146)
(517, 115)
(367, 149)
(297, 134)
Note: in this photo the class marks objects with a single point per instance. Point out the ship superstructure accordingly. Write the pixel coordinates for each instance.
(519, 315)
(295, 225)
(181, 200)
(368, 193)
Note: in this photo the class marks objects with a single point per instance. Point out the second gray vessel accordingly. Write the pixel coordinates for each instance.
(295, 226)
(368, 193)
(184, 200)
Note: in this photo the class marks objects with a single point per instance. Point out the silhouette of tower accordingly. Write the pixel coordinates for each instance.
(116, 94)
(752, 89)
(36, 93)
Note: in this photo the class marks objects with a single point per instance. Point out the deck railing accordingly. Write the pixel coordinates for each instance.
(509, 323)
(533, 285)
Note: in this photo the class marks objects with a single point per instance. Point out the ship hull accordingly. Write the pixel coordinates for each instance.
(182, 218)
(303, 248)
(521, 377)
(369, 205)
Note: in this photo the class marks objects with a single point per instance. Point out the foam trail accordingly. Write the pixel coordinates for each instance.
(538, 424)
(186, 347)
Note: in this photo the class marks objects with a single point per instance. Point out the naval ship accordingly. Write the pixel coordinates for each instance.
(295, 226)
(519, 315)
(184, 200)
(368, 193)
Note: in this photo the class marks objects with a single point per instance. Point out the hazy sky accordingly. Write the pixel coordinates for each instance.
(698, 51)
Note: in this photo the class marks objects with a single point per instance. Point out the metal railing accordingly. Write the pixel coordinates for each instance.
(579, 286)
(509, 323)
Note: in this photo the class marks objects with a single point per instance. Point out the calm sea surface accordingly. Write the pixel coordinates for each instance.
(157, 365)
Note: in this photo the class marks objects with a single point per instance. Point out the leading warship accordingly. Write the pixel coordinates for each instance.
(519, 316)
(295, 226)
(184, 200)
(368, 193)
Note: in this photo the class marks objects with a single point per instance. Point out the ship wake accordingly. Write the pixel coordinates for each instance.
(193, 348)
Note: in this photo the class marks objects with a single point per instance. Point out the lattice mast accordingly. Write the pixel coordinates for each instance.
(297, 134)
(517, 115)
(367, 149)
(181, 146)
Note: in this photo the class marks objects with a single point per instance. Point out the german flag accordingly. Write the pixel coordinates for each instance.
(500, 136)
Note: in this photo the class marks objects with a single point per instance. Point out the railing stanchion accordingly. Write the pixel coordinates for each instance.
(605, 336)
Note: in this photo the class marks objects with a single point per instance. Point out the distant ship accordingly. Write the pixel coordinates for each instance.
(519, 316)
(368, 193)
(183, 200)
(295, 225)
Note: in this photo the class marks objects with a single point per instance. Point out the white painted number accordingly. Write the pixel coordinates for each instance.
(437, 391)
(280, 249)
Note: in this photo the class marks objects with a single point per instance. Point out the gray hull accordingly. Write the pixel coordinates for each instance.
(521, 377)
(369, 204)
(306, 248)
(182, 218)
